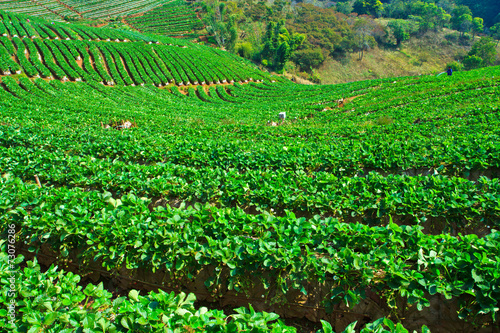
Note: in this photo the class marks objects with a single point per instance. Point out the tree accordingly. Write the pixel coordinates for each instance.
(358, 7)
(485, 49)
(308, 59)
(457, 16)
(465, 23)
(400, 29)
(363, 38)
(221, 25)
(495, 32)
(431, 15)
(371, 7)
(486, 9)
(282, 55)
(472, 61)
(344, 7)
(477, 26)
(279, 45)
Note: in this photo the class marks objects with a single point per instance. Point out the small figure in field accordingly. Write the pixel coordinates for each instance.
(449, 71)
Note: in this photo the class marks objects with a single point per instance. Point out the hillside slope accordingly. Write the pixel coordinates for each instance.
(37, 48)
(425, 55)
(343, 203)
(175, 18)
(201, 193)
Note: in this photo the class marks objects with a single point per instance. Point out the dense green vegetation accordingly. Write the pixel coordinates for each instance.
(175, 18)
(348, 27)
(382, 191)
(112, 56)
(65, 9)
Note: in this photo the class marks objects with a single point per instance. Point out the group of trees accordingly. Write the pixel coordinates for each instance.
(271, 33)
(482, 53)
(279, 45)
(220, 24)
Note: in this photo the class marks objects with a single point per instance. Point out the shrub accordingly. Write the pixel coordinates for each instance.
(455, 65)
(453, 37)
(308, 59)
(245, 50)
(472, 61)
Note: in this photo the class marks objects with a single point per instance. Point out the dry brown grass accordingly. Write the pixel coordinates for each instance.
(425, 55)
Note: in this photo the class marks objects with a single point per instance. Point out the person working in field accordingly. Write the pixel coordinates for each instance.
(449, 71)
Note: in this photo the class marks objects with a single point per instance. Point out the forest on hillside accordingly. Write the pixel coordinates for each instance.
(272, 33)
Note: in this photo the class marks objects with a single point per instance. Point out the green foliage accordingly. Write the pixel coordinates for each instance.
(482, 53)
(364, 35)
(221, 24)
(477, 25)
(486, 9)
(245, 50)
(309, 58)
(201, 184)
(428, 15)
(117, 57)
(174, 18)
(382, 325)
(279, 45)
(401, 30)
(371, 7)
(325, 28)
(344, 7)
(53, 301)
(455, 66)
(472, 62)
(495, 32)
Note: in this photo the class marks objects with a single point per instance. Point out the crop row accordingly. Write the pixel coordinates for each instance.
(173, 18)
(27, 7)
(112, 8)
(143, 64)
(280, 252)
(25, 26)
(53, 301)
(457, 152)
(130, 63)
(373, 197)
(7, 64)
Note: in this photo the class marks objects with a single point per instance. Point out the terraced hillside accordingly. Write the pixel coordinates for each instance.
(371, 199)
(175, 18)
(86, 9)
(37, 48)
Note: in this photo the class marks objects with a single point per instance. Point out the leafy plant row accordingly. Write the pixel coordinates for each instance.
(457, 152)
(173, 18)
(372, 198)
(244, 251)
(53, 301)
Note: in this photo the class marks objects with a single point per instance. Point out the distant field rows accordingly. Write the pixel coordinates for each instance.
(166, 17)
(39, 49)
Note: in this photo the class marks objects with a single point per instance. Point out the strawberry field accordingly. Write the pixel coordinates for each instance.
(373, 206)
(175, 18)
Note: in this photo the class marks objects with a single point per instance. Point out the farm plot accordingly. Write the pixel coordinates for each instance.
(176, 18)
(113, 57)
(384, 206)
(370, 200)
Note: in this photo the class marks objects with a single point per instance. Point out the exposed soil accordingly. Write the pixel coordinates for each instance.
(299, 310)
(79, 62)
